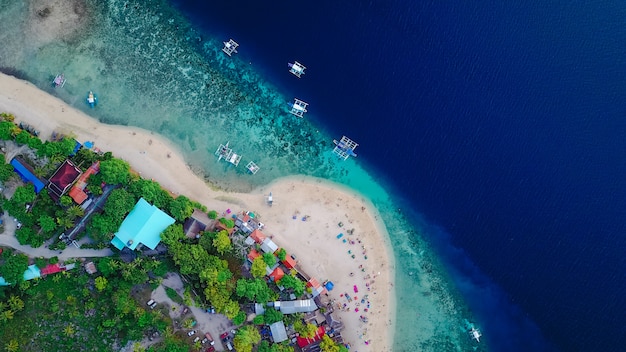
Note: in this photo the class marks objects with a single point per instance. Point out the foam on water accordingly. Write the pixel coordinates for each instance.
(152, 70)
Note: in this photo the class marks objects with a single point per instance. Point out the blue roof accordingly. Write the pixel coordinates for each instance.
(144, 224)
(32, 272)
(27, 175)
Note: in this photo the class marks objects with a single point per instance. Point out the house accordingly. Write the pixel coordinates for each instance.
(289, 262)
(143, 225)
(253, 255)
(90, 268)
(27, 174)
(78, 191)
(278, 331)
(198, 222)
(33, 272)
(297, 306)
(62, 179)
(316, 288)
(277, 274)
(257, 236)
(268, 246)
(303, 342)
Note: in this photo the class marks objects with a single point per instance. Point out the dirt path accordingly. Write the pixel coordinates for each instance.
(214, 324)
(7, 238)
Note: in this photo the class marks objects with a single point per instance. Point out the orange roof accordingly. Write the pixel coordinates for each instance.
(289, 262)
(277, 274)
(78, 195)
(257, 236)
(253, 254)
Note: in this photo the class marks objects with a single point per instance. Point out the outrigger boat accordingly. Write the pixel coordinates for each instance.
(92, 100)
(226, 153)
(297, 69)
(345, 147)
(475, 334)
(230, 47)
(298, 108)
(59, 81)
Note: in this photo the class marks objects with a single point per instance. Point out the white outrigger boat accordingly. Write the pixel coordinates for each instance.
(230, 47)
(475, 334)
(226, 153)
(345, 147)
(298, 108)
(59, 81)
(297, 69)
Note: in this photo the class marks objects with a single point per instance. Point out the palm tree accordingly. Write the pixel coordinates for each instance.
(65, 222)
(69, 330)
(6, 315)
(16, 303)
(75, 211)
(12, 346)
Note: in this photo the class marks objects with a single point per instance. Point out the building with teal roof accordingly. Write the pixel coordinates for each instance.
(143, 225)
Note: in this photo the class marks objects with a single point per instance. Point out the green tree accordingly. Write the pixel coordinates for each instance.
(15, 303)
(69, 330)
(258, 267)
(229, 223)
(272, 316)
(66, 201)
(24, 194)
(115, 171)
(101, 227)
(12, 346)
(291, 282)
(101, 283)
(269, 259)
(172, 234)
(259, 320)
(47, 224)
(281, 253)
(6, 170)
(221, 242)
(119, 203)
(75, 211)
(6, 315)
(65, 222)
(181, 208)
(246, 337)
(6, 130)
(212, 214)
(151, 191)
(239, 318)
(13, 268)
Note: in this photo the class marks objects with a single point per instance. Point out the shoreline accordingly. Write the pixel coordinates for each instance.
(314, 241)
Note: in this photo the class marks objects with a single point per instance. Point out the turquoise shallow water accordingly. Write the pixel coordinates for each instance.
(152, 70)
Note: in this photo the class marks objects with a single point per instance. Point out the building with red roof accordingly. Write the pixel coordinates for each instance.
(258, 236)
(253, 255)
(51, 269)
(62, 179)
(316, 288)
(303, 342)
(277, 274)
(78, 191)
(289, 262)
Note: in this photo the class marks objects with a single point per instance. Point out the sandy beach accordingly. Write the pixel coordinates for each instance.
(333, 232)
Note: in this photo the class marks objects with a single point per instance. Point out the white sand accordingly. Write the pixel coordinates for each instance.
(314, 242)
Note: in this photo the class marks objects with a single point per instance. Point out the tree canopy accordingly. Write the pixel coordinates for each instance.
(245, 338)
(115, 171)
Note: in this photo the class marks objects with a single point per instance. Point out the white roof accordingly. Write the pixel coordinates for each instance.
(268, 246)
(279, 333)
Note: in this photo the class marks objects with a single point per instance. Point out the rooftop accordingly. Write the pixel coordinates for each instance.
(144, 224)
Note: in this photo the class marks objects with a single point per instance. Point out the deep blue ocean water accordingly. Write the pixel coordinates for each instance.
(503, 123)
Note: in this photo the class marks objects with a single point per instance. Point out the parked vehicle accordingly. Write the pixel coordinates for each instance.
(196, 339)
(191, 333)
(151, 303)
(208, 338)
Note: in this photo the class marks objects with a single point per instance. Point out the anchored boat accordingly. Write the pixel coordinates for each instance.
(298, 108)
(92, 100)
(230, 47)
(297, 69)
(59, 81)
(345, 147)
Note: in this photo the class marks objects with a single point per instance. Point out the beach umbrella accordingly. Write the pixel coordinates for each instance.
(330, 285)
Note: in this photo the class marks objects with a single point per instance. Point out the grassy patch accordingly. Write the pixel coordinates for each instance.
(173, 295)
